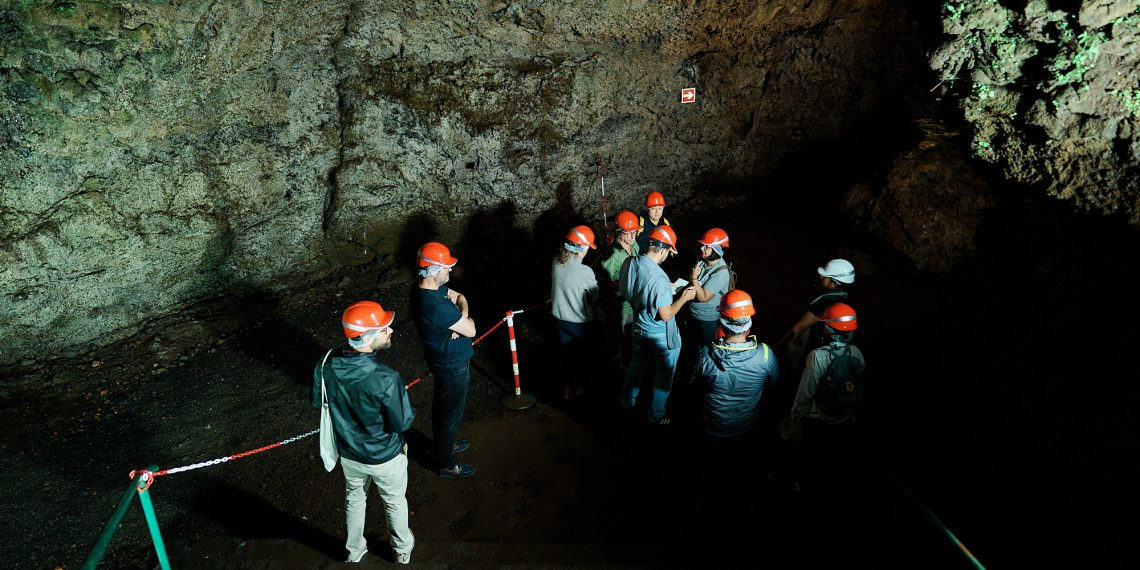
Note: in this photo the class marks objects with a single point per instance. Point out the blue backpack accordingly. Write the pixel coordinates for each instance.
(841, 386)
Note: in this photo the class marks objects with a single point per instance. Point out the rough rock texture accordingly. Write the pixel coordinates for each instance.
(1053, 91)
(930, 204)
(157, 157)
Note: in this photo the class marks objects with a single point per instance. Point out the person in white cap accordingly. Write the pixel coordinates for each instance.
(835, 277)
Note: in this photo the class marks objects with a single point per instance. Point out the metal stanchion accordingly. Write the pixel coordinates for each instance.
(518, 400)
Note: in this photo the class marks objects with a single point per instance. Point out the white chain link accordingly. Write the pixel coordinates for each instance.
(225, 459)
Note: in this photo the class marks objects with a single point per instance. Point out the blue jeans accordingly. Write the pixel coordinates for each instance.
(448, 399)
(645, 349)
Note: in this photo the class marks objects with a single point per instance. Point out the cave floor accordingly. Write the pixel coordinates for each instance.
(580, 482)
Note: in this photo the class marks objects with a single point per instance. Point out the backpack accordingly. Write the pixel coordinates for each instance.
(731, 275)
(841, 386)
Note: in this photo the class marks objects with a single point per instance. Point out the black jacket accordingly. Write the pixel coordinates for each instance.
(369, 405)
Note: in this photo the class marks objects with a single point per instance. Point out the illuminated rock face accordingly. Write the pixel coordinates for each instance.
(155, 158)
(1052, 90)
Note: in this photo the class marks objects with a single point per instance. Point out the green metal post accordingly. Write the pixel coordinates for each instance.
(152, 522)
(109, 529)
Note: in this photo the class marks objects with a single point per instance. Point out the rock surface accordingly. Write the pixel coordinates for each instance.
(157, 158)
(1053, 92)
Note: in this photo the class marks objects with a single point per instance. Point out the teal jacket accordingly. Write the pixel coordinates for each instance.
(369, 405)
(730, 379)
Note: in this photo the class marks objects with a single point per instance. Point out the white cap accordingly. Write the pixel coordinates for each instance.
(839, 270)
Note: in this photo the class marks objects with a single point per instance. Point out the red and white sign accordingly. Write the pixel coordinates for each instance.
(689, 95)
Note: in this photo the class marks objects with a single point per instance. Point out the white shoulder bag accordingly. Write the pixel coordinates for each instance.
(329, 453)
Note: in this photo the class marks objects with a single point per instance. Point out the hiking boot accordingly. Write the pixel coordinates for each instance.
(461, 445)
(460, 471)
(661, 421)
(354, 559)
(403, 558)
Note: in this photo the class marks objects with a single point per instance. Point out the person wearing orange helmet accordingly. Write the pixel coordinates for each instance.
(731, 373)
(840, 323)
(655, 335)
(829, 389)
(710, 279)
(573, 294)
(830, 462)
(620, 313)
(728, 382)
(370, 410)
(445, 328)
(652, 215)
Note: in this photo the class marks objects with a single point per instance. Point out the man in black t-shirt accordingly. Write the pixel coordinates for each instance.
(446, 330)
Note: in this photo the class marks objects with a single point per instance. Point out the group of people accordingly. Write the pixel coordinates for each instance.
(635, 312)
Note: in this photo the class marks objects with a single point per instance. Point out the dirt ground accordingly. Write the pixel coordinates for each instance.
(1006, 422)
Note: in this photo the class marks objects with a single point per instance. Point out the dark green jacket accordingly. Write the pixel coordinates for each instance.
(369, 405)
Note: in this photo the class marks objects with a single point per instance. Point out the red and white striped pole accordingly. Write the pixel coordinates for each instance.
(519, 401)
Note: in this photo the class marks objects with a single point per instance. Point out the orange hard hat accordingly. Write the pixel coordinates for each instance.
(715, 236)
(654, 198)
(737, 304)
(365, 316)
(581, 235)
(665, 235)
(840, 317)
(627, 221)
(435, 253)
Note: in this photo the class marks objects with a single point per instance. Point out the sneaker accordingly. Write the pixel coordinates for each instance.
(403, 558)
(461, 445)
(661, 421)
(460, 471)
(357, 558)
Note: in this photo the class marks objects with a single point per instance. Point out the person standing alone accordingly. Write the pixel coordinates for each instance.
(445, 328)
(370, 410)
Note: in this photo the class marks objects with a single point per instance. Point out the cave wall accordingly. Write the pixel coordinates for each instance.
(156, 157)
(1052, 90)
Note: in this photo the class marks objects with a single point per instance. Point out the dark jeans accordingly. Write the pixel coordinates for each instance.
(448, 399)
(706, 330)
(576, 343)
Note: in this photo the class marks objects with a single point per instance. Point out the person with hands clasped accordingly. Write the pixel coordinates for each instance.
(655, 334)
(442, 319)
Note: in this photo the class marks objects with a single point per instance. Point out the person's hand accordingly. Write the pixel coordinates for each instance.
(695, 274)
(454, 336)
(689, 293)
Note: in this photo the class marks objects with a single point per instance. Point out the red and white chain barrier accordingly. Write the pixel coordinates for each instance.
(150, 476)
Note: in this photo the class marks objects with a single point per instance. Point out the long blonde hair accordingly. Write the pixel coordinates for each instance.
(563, 256)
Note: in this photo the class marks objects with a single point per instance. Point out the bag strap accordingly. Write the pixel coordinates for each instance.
(715, 271)
(324, 395)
